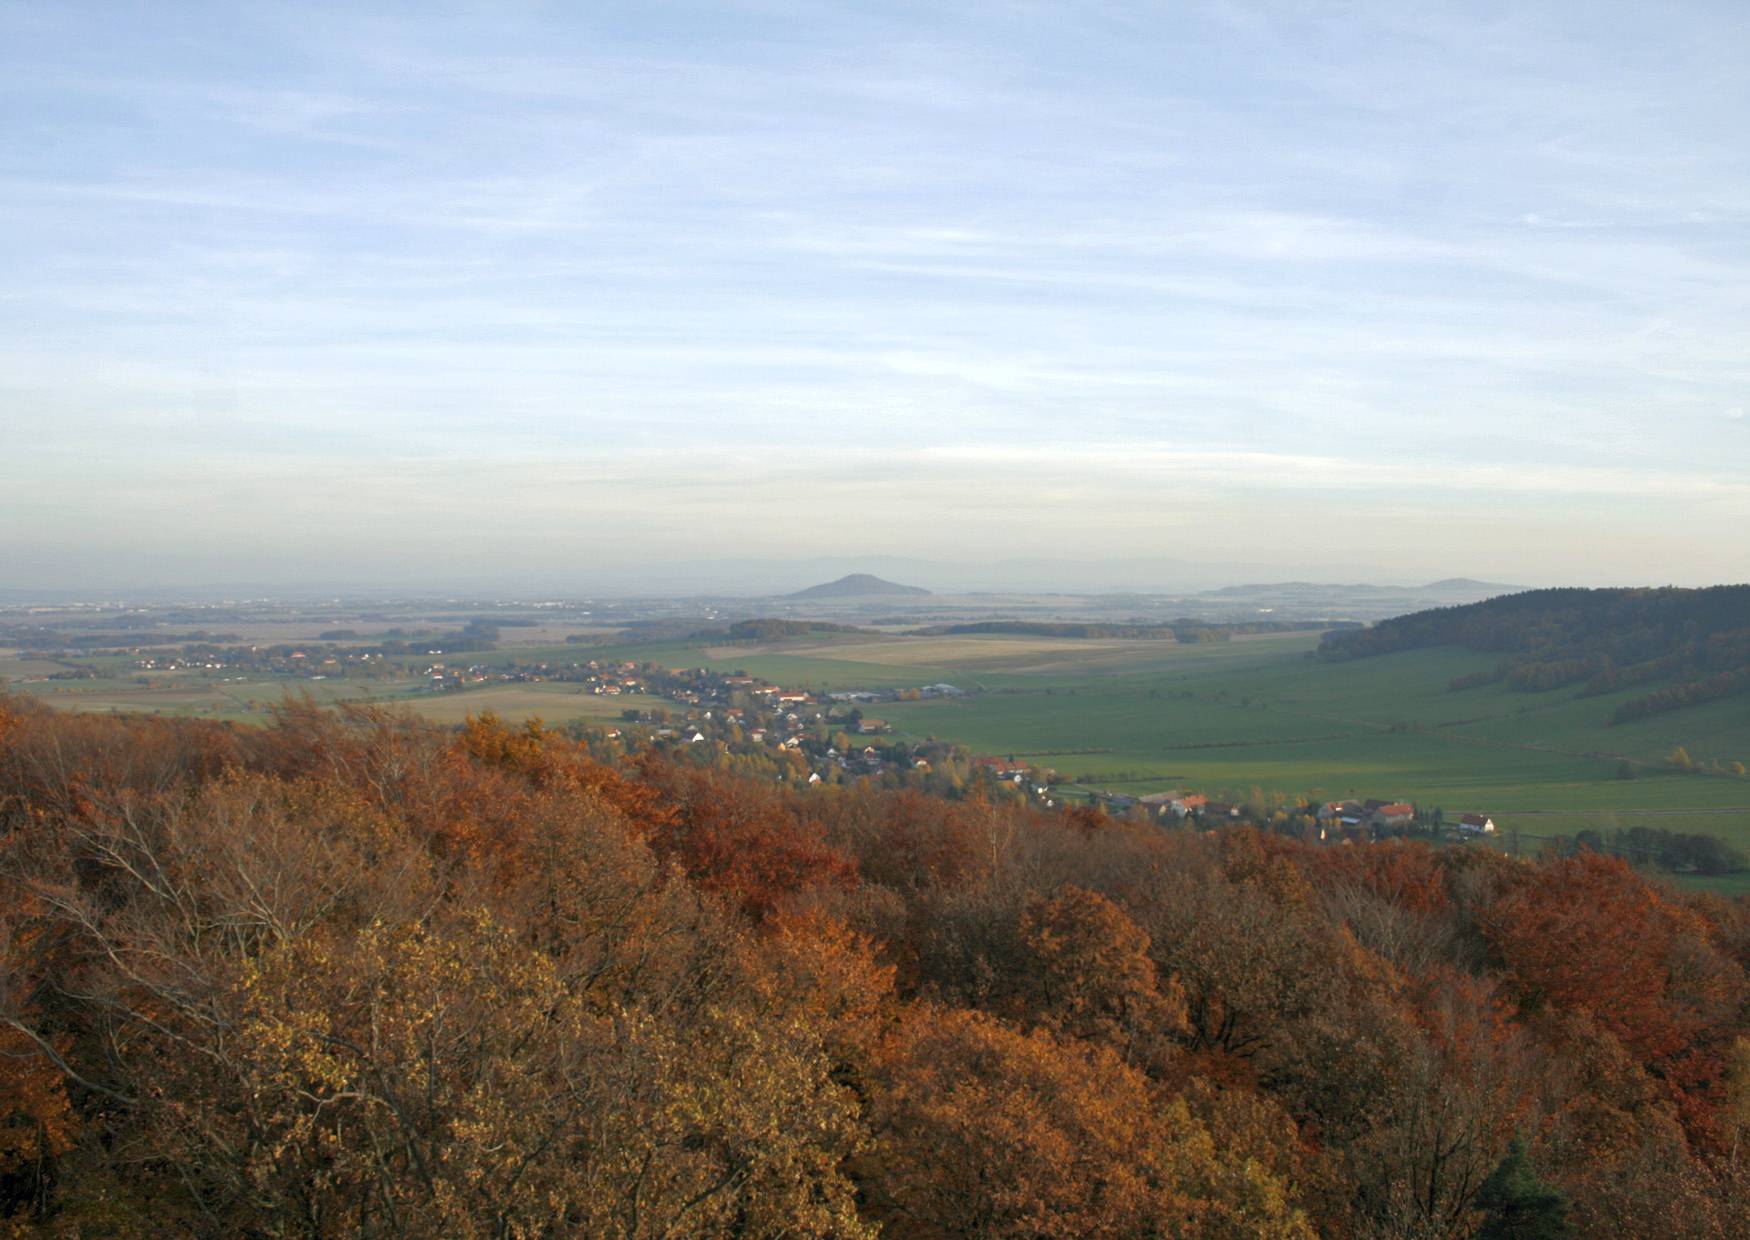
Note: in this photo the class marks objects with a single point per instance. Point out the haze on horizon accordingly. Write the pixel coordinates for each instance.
(524, 292)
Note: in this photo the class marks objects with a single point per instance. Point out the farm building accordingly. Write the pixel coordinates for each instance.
(1159, 803)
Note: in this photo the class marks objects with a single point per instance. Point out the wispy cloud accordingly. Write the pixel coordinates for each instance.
(652, 265)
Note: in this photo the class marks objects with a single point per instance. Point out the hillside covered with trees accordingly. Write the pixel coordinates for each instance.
(352, 974)
(1688, 646)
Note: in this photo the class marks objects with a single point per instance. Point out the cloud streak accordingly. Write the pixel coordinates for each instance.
(1264, 260)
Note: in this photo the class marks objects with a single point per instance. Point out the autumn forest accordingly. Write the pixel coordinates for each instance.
(353, 974)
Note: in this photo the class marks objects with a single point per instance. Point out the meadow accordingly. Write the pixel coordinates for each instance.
(1261, 715)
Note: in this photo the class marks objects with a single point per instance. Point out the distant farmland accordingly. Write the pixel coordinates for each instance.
(1258, 713)
(1142, 716)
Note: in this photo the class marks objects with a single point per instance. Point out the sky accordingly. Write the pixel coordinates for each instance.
(536, 293)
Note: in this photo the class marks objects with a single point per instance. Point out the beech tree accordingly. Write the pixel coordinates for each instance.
(984, 1131)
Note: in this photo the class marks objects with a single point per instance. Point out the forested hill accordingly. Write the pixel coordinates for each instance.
(1694, 645)
(766, 629)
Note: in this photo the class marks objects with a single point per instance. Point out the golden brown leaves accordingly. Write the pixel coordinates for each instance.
(984, 1131)
(36, 1119)
(1089, 975)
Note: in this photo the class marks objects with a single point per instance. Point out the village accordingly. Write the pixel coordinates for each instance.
(816, 737)
(1328, 822)
(829, 738)
(1317, 822)
(795, 735)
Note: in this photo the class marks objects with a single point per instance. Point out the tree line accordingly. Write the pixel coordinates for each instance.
(1171, 630)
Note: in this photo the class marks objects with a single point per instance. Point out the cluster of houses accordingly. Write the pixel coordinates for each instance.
(316, 664)
(1179, 806)
(1008, 770)
(810, 746)
(897, 695)
(814, 738)
(1386, 817)
(1365, 815)
(1355, 819)
(1332, 821)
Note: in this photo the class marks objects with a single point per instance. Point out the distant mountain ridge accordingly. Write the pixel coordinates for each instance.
(1471, 583)
(857, 585)
(1466, 587)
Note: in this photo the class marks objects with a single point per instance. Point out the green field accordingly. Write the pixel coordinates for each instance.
(1260, 714)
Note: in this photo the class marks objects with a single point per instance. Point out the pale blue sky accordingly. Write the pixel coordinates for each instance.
(529, 290)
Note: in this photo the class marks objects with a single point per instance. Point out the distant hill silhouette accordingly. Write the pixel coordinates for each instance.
(857, 585)
(1458, 589)
(1468, 585)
